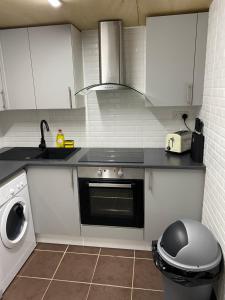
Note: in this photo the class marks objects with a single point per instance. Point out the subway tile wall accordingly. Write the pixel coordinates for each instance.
(110, 119)
(213, 115)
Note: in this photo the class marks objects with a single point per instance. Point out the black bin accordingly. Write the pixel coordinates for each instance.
(190, 260)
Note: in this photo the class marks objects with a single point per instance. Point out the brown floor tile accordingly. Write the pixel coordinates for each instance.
(147, 295)
(146, 275)
(26, 289)
(117, 252)
(27, 262)
(77, 267)
(43, 264)
(143, 254)
(60, 290)
(51, 247)
(98, 292)
(114, 271)
(83, 249)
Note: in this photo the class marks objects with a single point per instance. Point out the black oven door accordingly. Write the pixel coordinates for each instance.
(112, 202)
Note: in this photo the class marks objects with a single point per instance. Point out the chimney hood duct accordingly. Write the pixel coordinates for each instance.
(110, 59)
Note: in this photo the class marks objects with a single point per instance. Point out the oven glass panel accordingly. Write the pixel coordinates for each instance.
(111, 202)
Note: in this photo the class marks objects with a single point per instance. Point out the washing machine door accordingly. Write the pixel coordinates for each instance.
(14, 222)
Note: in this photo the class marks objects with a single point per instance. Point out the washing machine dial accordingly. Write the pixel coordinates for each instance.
(11, 192)
(21, 184)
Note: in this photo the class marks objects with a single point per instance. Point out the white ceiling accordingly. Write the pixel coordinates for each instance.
(85, 14)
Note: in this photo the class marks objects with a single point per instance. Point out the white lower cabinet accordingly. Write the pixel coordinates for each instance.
(54, 200)
(169, 196)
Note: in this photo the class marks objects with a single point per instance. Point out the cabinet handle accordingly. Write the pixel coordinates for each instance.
(70, 97)
(3, 99)
(72, 180)
(190, 94)
(150, 180)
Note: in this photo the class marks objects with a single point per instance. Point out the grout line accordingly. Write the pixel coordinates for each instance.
(120, 256)
(110, 285)
(152, 290)
(144, 258)
(93, 274)
(55, 272)
(71, 281)
(89, 283)
(86, 253)
(82, 253)
(132, 286)
(45, 250)
(33, 277)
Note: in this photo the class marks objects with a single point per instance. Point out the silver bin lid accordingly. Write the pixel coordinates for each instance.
(189, 245)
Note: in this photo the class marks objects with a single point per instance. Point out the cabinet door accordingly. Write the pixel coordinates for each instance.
(54, 200)
(169, 196)
(170, 59)
(78, 101)
(200, 54)
(52, 61)
(17, 69)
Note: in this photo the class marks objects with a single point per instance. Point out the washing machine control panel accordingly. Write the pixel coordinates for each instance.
(12, 187)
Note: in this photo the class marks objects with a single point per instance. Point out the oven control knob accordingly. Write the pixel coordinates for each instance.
(99, 172)
(120, 173)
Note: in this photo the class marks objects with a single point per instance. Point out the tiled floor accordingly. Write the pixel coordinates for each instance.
(61, 272)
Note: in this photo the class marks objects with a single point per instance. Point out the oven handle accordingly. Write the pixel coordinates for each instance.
(110, 185)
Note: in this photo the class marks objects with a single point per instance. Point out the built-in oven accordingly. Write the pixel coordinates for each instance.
(111, 196)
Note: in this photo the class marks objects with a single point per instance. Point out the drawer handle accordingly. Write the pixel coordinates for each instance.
(150, 180)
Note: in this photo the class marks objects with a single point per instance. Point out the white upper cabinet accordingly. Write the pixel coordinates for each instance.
(54, 52)
(175, 59)
(17, 69)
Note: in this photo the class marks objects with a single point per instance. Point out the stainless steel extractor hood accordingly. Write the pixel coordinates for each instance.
(110, 59)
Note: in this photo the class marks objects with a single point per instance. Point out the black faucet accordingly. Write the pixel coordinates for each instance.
(43, 143)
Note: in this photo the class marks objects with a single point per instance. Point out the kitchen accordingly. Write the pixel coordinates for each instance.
(60, 72)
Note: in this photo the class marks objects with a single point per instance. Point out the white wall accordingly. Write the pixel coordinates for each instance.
(110, 120)
(213, 115)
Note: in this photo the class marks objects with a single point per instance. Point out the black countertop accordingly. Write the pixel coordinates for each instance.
(153, 158)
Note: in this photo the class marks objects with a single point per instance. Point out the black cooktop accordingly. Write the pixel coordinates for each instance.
(114, 155)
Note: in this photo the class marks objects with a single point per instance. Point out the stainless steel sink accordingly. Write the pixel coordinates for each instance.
(34, 153)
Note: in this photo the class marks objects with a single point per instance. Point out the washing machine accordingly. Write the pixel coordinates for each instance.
(17, 238)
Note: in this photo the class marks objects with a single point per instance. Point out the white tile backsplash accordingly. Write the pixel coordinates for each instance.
(110, 119)
(213, 115)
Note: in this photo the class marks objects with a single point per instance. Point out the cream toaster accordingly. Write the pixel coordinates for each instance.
(179, 141)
